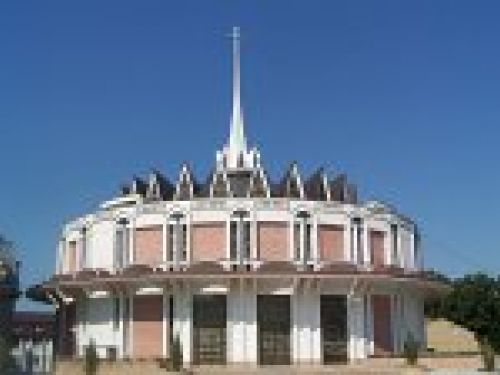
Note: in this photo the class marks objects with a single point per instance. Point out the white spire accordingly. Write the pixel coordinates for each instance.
(235, 154)
(237, 139)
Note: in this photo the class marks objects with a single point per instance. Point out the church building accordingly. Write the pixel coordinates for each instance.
(239, 268)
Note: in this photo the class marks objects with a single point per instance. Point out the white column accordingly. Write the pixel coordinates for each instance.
(370, 341)
(251, 328)
(183, 319)
(295, 326)
(387, 245)
(228, 237)
(131, 324)
(314, 239)
(366, 243)
(165, 317)
(400, 253)
(121, 338)
(164, 246)
(253, 236)
(347, 241)
(412, 261)
(188, 237)
(356, 316)
(355, 244)
(60, 257)
(175, 243)
(131, 243)
(315, 321)
(302, 238)
(239, 231)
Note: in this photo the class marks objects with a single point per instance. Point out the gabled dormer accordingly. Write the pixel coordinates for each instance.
(186, 187)
(316, 187)
(342, 191)
(291, 185)
(259, 185)
(139, 186)
(219, 186)
(159, 188)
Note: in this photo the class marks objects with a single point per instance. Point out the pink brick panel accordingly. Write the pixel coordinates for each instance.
(71, 257)
(377, 247)
(148, 327)
(149, 245)
(272, 238)
(208, 241)
(382, 331)
(331, 242)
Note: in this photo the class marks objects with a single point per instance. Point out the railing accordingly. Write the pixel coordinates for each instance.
(241, 265)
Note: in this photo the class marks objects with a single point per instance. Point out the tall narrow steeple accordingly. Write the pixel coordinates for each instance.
(235, 154)
(237, 139)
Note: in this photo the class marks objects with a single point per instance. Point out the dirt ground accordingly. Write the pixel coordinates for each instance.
(445, 365)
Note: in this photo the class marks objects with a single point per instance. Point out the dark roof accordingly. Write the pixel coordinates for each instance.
(247, 183)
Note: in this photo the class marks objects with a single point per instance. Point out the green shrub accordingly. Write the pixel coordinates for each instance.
(488, 355)
(91, 359)
(410, 351)
(176, 354)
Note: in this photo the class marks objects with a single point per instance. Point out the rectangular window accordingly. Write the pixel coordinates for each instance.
(170, 242)
(245, 240)
(394, 245)
(119, 248)
(307, 242)
(233, 234)
(183, 242)
(116, 313)
(296, 241)
(85, 258)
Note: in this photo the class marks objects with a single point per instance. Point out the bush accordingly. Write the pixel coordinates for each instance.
(91, 359)
(176, 354)
(488, 355)
(410, 351)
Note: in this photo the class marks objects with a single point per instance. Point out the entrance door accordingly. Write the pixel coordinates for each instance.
(273, 320)
(209, 329)
(334, 328)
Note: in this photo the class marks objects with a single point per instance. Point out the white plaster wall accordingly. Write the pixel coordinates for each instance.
(413, 317)
(99, 325)
(306, 333)
(355, 318)
(183, 319)
(100, 245)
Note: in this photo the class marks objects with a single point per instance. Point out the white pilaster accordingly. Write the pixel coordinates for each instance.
(314, 240)
(119, 339)
(400, 253)
(366, 244)
(188, 238)
(347, 241)
(131, 243)
(387, 245)
(130, 349)
(164, 246)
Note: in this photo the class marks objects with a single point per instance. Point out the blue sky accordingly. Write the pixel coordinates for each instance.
(403, 96)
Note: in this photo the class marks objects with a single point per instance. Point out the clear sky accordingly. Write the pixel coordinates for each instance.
(404, 96)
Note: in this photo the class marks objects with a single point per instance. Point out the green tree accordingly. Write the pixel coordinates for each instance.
(473, 303)
(5, 354)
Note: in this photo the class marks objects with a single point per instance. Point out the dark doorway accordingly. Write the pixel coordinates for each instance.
(334, 328)
(209, 329)
(273, 322)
